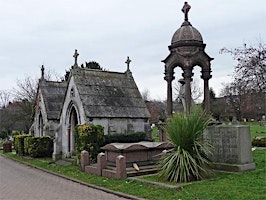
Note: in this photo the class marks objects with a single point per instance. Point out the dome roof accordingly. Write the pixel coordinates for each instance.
(186, 33)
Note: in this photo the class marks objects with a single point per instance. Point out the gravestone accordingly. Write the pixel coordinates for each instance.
(231, 147)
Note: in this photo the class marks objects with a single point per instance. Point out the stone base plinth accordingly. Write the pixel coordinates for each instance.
(233, 167)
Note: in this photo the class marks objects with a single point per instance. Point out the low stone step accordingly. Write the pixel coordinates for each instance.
(142, 172)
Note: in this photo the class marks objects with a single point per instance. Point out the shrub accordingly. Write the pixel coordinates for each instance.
(19, 143)
(89, 138)
(259, 141)
(188, 160)
(39, 146)
(125, 137)
(15, 133)
(3, 134)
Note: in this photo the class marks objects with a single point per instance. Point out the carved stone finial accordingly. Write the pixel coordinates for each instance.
(128, 61)
(76, 57)
(185, 10)
(42, 69)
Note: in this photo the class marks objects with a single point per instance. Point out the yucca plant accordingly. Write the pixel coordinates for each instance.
(188, 160)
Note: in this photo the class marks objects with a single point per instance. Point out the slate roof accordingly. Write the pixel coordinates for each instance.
(53, 96)
(109, 94)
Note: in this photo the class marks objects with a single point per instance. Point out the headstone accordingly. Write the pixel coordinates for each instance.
(231, 147)
(234, 121)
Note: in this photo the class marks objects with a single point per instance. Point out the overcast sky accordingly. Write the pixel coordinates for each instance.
(46, 32)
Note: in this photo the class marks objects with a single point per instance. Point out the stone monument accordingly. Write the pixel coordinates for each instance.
(187, 51)
(231, 147)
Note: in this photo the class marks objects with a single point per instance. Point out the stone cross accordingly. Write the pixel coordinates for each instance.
(185, 10)
(42, 69)
(76, 57)
(128, 61)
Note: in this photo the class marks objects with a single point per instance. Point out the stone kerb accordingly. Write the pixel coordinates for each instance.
(231, 147)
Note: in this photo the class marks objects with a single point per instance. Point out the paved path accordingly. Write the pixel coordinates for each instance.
(20, 182)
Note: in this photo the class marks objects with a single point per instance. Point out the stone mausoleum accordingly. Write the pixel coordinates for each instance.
(88, 96)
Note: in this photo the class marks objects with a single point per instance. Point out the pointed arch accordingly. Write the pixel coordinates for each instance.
(72, 120)
(40, 124)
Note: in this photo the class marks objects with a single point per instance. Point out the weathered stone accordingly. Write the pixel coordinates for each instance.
(231, 147)
(84, 160)
(88, 96)
(141, 152)
(121, 172)
(101, 163)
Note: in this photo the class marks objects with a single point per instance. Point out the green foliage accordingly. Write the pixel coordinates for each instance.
(125, 137)
(19, 143)
(93, 65)
(3, 135)
(188, 160)
(15, 133)
(38, 147)
(259, 141)
(89, 138)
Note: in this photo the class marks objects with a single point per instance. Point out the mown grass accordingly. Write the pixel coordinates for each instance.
(257, 130)
(239, 186)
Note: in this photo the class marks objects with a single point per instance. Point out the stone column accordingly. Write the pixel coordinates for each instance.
(206, 75)
(169, 77)
(84, 160)
(188, 77)
(121, 170)
(101, 163)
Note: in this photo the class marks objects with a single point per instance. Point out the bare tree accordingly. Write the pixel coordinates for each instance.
(249, 80)
(25, 93)
(251, 67)
(145, 95)
(5, 98)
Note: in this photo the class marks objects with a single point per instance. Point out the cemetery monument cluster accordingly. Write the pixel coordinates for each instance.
(112, 100)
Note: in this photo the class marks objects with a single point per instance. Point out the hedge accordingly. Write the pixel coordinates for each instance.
(40, 146)
(19, 144)
(125, 137)
(89, 138)
(33, 146)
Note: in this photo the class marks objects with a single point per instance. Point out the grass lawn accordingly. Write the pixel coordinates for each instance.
(257, 130)
(249, 185)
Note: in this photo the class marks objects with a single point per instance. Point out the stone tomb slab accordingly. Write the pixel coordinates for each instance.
(142, 152)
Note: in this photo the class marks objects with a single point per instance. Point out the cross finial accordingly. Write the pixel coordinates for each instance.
(76, 57)
(128, 61)
(185, 10)
(42, 69)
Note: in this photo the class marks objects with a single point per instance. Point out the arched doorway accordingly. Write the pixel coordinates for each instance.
(73, 121)
(40, 125)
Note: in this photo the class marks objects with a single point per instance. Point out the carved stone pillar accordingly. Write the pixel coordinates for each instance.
(169, 77)
(187, 76)
(206, 75)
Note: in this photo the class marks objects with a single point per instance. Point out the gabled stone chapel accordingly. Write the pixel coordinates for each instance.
(88, 96)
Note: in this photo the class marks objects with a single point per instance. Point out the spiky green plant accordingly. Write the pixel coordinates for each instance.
(188, 160)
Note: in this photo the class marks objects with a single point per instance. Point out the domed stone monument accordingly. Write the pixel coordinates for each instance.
(186, 52)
